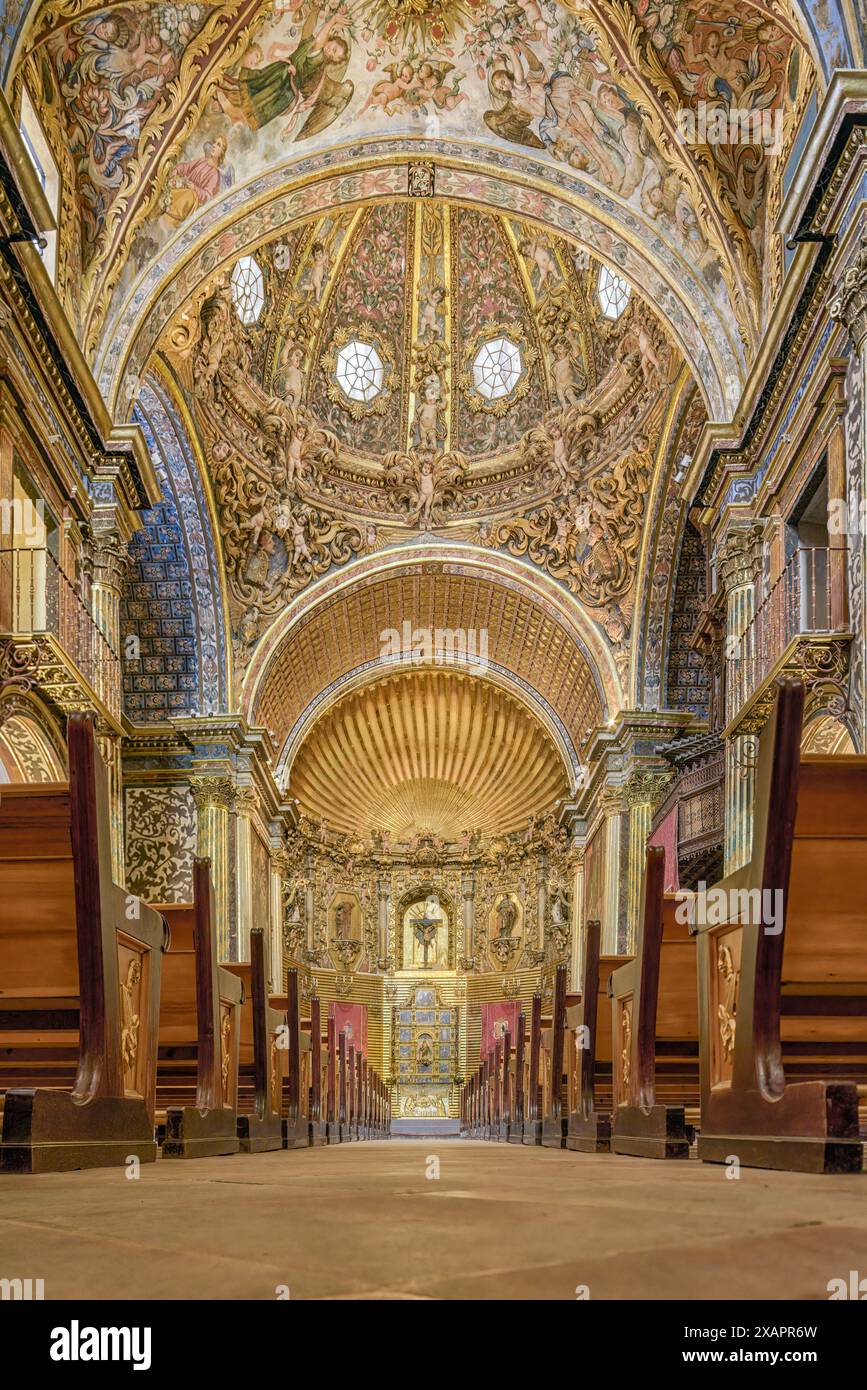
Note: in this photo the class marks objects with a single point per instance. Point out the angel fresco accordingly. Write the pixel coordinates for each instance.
(411, 84)
(307, 81)
(509, 117)
(110, 71)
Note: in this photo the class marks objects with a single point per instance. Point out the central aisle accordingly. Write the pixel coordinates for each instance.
(373, 1221)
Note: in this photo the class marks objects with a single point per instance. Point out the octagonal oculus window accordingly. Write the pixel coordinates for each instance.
(614, 293)
(248, 289)
(497, 367)
(359, 371)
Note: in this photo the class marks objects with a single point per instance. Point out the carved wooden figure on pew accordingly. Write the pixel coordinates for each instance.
(197, 1077)
(80, 978)
(783, 966)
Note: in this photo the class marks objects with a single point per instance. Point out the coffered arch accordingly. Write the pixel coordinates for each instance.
(539, 643)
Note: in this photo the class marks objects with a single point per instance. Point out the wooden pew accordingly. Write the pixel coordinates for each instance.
(80, 976)
(555, 1110)
(507, 1089)
(261, 1054)
(332, 1106)
(296, 1077)
(319, 1069)
(589, 1052)
(655, 1028)
(784, 1011)
(532, 1127)
(199, 1038)
(516, 1124)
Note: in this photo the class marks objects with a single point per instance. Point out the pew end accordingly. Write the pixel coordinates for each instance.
(655, 1029)
(80, 979)
(261, 1053)
(200, 1033)
(783, 967)
(589, 1054)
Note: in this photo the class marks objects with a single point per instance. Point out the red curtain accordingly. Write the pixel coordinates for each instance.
(494, 1016)
(351, 1019)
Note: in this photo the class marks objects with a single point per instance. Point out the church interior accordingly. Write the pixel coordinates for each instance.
(433, 649)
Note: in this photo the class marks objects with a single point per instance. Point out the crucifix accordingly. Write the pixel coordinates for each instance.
(426, 934)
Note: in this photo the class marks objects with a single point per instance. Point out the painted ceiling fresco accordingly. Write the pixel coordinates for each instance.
(159, 111)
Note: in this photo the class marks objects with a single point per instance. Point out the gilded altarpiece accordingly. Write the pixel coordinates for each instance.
(425, 1040)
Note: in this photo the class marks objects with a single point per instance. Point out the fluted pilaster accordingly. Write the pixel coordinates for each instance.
(739, 559)
(213, 797)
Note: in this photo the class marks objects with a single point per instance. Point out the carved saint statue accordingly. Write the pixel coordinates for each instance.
(507, 914)
(342, 921)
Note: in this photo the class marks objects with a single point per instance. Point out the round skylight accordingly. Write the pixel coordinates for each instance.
(614, 293)
(248, 289)
(359, 371)
(496, 368)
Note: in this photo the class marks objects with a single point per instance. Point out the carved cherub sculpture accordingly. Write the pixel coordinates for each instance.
(422, 480)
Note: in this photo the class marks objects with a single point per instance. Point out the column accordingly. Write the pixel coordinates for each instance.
(110, 562)
(739, 561)
(850, 307)
(97, 655)
(108, 743)
(383, 906)
(611, 806)
(576, 965)
(213, 797)
(642, 792)
(246, 805)
(468, 894)
(276, 870)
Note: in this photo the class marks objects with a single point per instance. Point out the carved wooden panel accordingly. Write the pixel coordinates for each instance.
(623, 1049)
(726, 947)
(133, 974)
(227, 1054)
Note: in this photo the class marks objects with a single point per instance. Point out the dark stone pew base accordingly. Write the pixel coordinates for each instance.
(554, 1134)
(192, 1133)
(589, 1136)
(660, 1132)
(784, 1154)
(296, 1134)
(46, 1132)
(259, 1136)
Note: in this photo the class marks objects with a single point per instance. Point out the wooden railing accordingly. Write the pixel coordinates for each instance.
(37, 597)
(804, 600)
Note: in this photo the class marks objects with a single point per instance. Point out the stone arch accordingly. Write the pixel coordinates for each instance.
(575, 208)
(31, 747)
(173, 604)
(828, 735)
(333, 629)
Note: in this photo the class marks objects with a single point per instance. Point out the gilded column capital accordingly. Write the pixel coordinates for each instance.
(108, 555)
(849, 304)
(739, 555)
(646, 788)
(210, 792)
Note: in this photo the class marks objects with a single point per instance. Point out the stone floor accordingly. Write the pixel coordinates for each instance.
(367, 1221)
